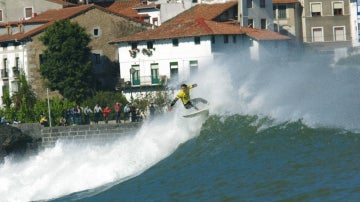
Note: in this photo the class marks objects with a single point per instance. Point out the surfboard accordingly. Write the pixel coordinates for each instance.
(204, 112)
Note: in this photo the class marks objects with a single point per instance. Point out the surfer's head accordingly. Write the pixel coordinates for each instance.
(183, 86)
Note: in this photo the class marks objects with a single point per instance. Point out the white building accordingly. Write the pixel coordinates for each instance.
(179, 48)
(256, 14)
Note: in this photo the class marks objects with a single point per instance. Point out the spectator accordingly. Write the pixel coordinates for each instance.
(43, 121)
(152, 111)
(133, 113)
(78, 113)
(87, 112)
(106, 112)
(62, 121)
(126, 112)
(97, 111)
(117, 111)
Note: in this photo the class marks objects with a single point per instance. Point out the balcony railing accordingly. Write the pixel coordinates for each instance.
(4, 74)
(150, 81)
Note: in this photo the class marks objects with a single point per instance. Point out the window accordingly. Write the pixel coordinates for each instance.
(5, 63)
(155, 21)
(154, 73)
(249, 3)
(251, 23)
(339, 34)
(194, 1)
(262, 3)
(150, 45)
(226, 39)
(175, 42)
(234, 38)
(133, 45)
(96, 32)
(28, 12)
(197, 40)
(212, 39)
(174, 70)
(193, 66)
(1, 15)
(135, 74)
(338, 8)
(263, 23)
(315, 9)
(317, 34)
(282, 11)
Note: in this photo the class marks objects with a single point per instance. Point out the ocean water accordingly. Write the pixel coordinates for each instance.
(285, 132)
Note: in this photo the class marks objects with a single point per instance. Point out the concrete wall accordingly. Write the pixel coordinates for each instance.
(46, 137)
(84, 133)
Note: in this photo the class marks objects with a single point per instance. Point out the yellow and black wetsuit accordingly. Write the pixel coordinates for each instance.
(185, 97)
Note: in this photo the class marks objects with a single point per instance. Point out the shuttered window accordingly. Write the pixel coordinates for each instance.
(315, 9)
(317, 34)
(339, 34)
(338, 8)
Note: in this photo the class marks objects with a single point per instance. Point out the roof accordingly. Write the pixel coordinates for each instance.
(48, 17)
(200, 27)
(125, 7)
(285, 1)
(206, 11)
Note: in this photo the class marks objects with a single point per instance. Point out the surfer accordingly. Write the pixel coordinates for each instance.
(184, 95)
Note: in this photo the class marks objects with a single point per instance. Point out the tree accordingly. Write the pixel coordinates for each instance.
(66, 60)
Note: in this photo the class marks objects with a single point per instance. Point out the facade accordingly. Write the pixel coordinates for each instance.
(256, 14)
(179, 48)
(287, 19)
(17, 10)
(21, 51)
(327, 24)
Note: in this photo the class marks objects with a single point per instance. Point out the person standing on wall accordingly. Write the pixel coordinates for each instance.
(118, 111)
(97, 112)
(106, 113)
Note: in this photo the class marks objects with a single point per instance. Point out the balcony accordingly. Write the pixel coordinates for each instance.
(143, 84)
(4, 74)
(150, 81)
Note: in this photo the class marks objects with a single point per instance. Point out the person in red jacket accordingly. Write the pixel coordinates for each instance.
(106, 112)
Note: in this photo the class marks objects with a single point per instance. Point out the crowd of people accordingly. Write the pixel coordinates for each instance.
(79, 115)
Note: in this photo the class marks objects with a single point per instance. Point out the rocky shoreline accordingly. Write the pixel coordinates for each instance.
(16, 141)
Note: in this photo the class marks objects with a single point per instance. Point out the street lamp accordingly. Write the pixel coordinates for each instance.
(132, 71)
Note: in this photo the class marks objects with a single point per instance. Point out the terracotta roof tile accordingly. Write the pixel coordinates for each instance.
(285, 1)
(200, 27)
(46, 18)
(206, 11)
(125, 7)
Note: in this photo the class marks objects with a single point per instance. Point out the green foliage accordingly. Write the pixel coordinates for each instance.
(66, 60)
(160, 99)
(105, 98)
(6, 97)
(24, 100)
(57, 108)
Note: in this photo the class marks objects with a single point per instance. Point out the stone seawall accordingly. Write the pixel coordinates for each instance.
(46, 137)
(83, 133)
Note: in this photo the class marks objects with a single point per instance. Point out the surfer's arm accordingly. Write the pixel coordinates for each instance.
(174, 102)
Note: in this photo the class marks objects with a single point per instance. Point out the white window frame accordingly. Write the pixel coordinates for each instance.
(333, 3)
(32, 12)
(312, 34)
(334, 33)
(311, 3)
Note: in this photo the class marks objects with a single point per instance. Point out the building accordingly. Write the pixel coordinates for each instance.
(287, 19)
(16, 10)
(180, 47)
(256, 14)
(21, 49)
(327, 24)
